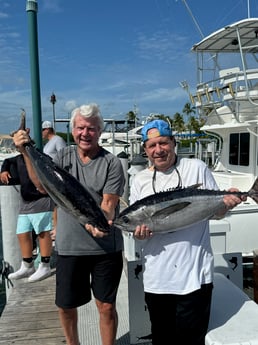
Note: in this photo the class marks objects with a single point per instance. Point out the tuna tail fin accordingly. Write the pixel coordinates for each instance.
(22, 122)
(254, 191)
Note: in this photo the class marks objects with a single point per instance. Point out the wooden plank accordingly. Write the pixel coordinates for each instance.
(30, 316)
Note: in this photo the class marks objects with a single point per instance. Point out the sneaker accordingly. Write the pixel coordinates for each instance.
(42, 272)
(35, 251)
(26, 270)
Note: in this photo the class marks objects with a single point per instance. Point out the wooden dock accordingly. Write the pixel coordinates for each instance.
(30, 316)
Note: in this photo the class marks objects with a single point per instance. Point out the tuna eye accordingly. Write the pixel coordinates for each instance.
(126, 219)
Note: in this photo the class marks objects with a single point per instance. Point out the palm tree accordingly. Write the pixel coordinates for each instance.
(178, 123)
(160, 117)
(132, 119)
(188, 110)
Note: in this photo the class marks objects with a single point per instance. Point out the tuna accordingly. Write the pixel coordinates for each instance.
(175, 210)
(64, 189)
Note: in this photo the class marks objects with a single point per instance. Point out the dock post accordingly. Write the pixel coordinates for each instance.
(124, 161)
(10, 199)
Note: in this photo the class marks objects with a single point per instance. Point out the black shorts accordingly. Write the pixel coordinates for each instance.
(76, 276)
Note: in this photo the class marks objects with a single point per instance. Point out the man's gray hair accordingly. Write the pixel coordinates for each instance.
(87, 111)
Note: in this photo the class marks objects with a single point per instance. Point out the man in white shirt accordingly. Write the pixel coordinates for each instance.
(177, 266)
(54, 142)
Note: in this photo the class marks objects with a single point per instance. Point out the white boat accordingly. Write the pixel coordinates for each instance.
(7, 148)
(227, 89)
(121, 136)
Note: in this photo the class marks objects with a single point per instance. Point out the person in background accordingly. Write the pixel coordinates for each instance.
(177, 266)
(88, 260)
(35, 214)
(53, 141)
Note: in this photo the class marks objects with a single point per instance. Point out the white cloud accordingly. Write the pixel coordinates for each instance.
(3, 15)
(70, 105)
(163, 46)
(52, 5)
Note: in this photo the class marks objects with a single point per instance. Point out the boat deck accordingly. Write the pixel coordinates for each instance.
(30, 316)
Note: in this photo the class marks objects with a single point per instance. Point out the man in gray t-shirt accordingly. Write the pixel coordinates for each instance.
(87, 258)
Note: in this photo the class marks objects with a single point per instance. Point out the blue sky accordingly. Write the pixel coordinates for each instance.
(123, 55)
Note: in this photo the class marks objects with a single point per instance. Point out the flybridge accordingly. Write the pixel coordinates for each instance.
(239, 36)
(227, 71)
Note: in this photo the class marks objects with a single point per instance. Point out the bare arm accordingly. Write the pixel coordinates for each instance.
(108, 205)
(53, 231)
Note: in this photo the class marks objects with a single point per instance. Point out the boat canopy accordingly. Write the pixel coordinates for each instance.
(227, 39)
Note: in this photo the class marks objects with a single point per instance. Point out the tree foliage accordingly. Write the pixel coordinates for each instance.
(178, 123)
(161, 117)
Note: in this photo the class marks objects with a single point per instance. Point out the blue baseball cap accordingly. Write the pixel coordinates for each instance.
(162, 130)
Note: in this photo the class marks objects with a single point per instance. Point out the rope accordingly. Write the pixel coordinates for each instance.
(4, 272)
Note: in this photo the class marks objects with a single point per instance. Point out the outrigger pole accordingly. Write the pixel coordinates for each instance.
(193, 18)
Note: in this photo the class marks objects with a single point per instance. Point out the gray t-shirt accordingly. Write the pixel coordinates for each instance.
(36, 206)
(55, 144)
(102, 175)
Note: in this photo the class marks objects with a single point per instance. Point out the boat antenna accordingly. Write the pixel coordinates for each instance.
(193, 18)
(184, 84)
(198, 28)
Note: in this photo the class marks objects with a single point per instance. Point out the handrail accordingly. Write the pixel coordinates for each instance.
(225, 87)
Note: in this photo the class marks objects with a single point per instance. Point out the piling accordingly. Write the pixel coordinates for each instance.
(9, 200)
(124, 161)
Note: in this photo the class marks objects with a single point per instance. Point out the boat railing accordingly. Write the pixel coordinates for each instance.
(232, 84)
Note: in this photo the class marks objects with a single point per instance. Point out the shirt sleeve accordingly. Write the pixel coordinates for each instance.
(8, 162)
(116, 179)
(209, 180)
(60, 143)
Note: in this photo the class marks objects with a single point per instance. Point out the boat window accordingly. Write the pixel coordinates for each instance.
(239, 149)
